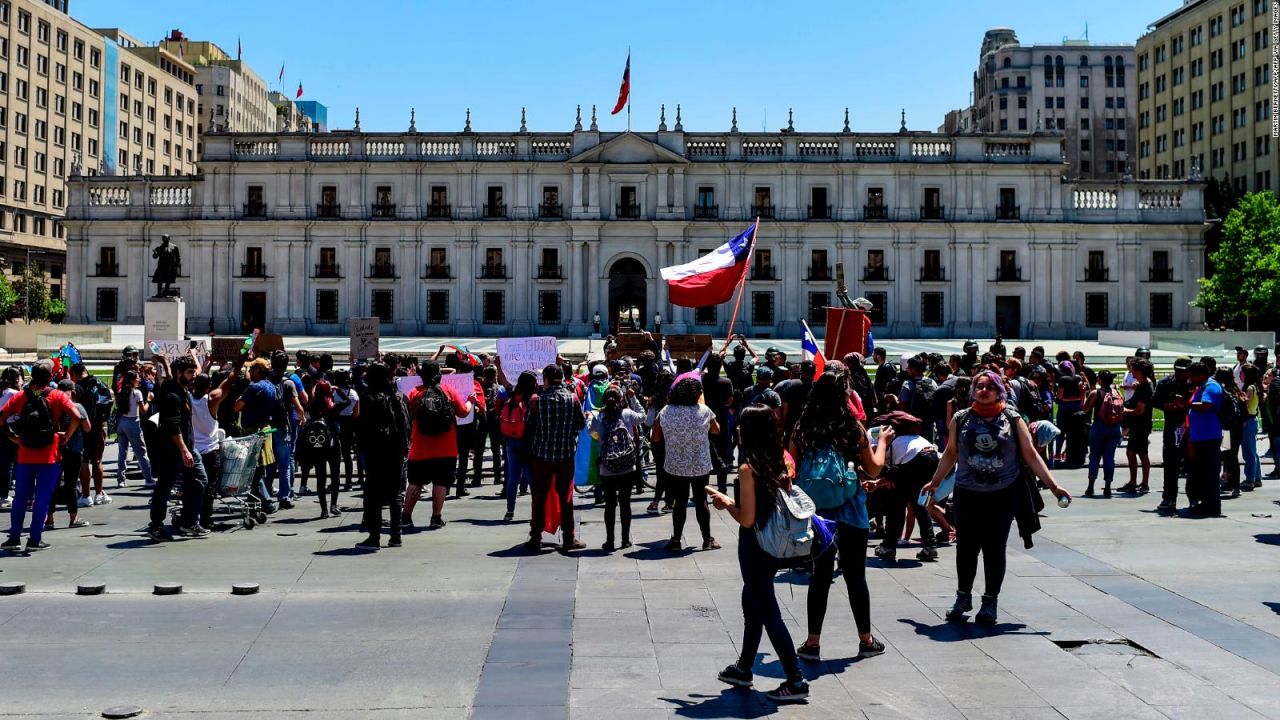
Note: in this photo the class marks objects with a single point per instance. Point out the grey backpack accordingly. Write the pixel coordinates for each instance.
(788, 534)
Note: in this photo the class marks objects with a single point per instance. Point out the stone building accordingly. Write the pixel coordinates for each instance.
(468, 233)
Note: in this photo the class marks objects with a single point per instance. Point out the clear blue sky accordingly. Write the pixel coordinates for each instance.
(494, 57)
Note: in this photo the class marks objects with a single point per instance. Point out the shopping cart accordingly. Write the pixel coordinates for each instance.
(240, 458)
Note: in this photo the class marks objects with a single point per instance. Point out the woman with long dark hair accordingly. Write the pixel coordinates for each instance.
(761, 477)
(1137, 419)
(1234, 433)
(618, 429)
(989, 444)
(662, 489)
(512, 406)
(827, 426)
(684, 425)
(346, 407)
(1104, 434)
(131, 407)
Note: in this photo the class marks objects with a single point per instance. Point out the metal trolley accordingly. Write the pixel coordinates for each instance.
(240, 457)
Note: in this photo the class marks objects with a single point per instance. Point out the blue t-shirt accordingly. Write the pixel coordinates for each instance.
(1206, 425)
(293, 410)
(260, 400)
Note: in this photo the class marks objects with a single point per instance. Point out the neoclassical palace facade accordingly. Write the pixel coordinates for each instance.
(491, 234)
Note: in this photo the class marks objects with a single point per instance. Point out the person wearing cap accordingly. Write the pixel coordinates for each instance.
(1173, 398)
(762, 393)
(128, 361)
(970, 356)
(433, 459)
(256, 404)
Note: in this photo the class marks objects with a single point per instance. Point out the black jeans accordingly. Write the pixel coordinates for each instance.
(680, 488)
(1204, 473)
(68, 489)
(348, 452)
(851, 544)
(721, 456)
(497, 445)
(212, 462)
(617, 495)
(760, 611)
(326, 465)
(1173, 456)
(907, 481)
(1230, 459)
(661, 482)
(982, 525)
(194, 483)
(382, 489)
(470, 448)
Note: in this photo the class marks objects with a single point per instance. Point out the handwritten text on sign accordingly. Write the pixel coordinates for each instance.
(465, 385)
(364, 338)
(527, 353)
(173, 349)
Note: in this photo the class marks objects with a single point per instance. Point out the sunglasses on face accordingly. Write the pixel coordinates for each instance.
(983, 386)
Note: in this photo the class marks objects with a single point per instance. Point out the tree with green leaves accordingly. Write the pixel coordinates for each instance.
(31, 294)
(8, 299)
(1244, 281)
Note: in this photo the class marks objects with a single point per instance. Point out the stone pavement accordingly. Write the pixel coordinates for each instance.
(1116, 612)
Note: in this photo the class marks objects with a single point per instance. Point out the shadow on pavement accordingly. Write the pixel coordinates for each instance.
(956, 632)
(1268, 538)
(732, 702)
(1275, 607)
(345, 552)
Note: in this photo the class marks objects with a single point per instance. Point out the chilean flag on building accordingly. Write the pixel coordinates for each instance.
(809, 346)
(711, 279)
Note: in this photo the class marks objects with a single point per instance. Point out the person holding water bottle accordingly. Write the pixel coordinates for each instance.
(988, 443)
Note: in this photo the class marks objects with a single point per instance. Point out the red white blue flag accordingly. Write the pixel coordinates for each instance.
(711, 279)
(809, 346)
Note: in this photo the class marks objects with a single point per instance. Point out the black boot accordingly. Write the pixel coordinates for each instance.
(987, 613)
(963, 604)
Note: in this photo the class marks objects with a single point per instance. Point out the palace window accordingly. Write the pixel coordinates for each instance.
(494, 307)
(326, 306)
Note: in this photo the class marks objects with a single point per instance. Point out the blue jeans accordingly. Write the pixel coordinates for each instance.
(283, 444)
(1249, 445)
(1103, 441)
(517, 475)
(194, 485)
(129, 432)
(38, 481)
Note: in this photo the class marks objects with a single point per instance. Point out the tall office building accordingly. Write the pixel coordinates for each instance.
(1084, 90)
(75, 100)
(231, 97)
(1205, 94)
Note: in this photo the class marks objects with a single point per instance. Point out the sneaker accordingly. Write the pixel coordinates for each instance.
(6, 504)
(84, 501)
(49, 524)
(987, 613)
(653, 508)
(736, 676)
(533, 545)
(120, 482)
(625, 544)
(1247, 486)
(608, 546)
(462, 492)
(674, 545)
(927, 554)
(710, 544)
(368, 543)
(406, 521)
(195, 531)
(809, 651)
(33, 546)
(393, 542)
(870, 649)
(962, 605)
(13, 543)
(159, 534)
(324, 514)
(1166, 506)
(1236, 493)
(789, 692)
(102, 499)
(286, 504)
(508, 517)
(437, 522)
(78, 523)
(887, 554)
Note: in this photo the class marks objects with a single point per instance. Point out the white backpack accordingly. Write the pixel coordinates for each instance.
(788, 535)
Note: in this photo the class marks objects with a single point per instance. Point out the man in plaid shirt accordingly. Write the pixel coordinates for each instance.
(552, 425)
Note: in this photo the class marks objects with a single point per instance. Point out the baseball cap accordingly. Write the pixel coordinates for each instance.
(1142, 351)
(1260, 349)
(1182, 363)
(599, 371)
(763, 372)
(1240, 348)
(129, 350)
(262, 364)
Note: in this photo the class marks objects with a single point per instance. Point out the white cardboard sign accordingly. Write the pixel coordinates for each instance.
(465, 385)
(526, 353)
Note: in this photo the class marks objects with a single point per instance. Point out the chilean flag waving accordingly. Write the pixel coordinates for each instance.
(711, 279)
(809, 346)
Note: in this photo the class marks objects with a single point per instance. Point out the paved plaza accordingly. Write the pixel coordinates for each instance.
(1116, 612)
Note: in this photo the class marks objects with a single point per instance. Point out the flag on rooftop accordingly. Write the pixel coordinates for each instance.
(624, 92)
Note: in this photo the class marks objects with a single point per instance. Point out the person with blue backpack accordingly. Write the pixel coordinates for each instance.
(775, 525)
(830, 445)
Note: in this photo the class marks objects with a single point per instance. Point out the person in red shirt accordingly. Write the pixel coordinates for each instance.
(433, 458)
(39, 452)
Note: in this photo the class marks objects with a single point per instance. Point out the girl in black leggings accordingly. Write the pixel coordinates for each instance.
(827, 423)
(760, 479)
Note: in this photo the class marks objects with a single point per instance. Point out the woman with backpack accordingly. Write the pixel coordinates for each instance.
(1249, 438)
(761, 478)
(383, 431)
(435, 443)
(989, 446)
(318, 444)
(828, 443)
(512, 406)
(131, 407)
(1137, 420)
(1107, 405)
(618, 429)
(684, 425)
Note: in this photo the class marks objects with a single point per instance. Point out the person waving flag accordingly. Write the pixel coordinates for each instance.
(809, 346)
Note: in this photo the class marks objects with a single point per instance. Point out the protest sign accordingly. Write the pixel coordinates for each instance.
(465, 385)
(364, 338)
(267, 343)
(526, 353)
(225, 348)
(688, 346)
(406, 384)
(634, 343)
(173, 349)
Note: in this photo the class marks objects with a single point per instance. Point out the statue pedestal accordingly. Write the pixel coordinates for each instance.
(165, 319)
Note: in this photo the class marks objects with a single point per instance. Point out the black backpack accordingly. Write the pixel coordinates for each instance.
(97, 401)
(35, 422)
(434, 412)
(315, 436)
(922, 400)
(281, 413)
(381, 424)
(618, 447)
(1231, 411)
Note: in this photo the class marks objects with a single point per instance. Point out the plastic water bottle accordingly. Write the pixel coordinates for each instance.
(1064, 502)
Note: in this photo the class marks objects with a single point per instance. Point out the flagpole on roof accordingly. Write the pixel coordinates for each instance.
(628, 88)
(742, 282)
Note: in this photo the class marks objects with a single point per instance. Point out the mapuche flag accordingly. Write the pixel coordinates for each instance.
(711, 279)
(624, 92)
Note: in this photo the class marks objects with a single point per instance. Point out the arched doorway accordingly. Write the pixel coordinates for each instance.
(628, 296)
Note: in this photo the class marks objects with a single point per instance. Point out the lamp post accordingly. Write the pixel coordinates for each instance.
(657, 321)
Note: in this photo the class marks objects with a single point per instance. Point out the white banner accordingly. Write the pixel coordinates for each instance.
(173, 349)
(526, 353)
(465, 385)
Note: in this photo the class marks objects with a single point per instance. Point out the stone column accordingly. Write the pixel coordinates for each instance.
(465, 295)
(523, 302)
(790, 298)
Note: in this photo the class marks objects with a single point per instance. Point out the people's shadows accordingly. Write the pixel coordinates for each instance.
(517, 551)
(141, 542)
(1275, 606)
(654, 550)
(1268, 538)
(345, 552)
(732, 702)
(487, 523)
(353, 527)
(293, 520)
(956, 632)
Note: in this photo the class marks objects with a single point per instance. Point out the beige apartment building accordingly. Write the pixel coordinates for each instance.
(1204, 95)
(74, 100)
(289, 116)
(230, 96)
(1083, 90)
